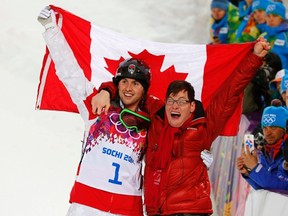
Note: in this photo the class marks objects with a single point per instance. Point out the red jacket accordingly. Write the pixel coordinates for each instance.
(187, 189)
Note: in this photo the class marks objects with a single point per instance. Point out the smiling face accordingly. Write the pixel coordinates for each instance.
(131, 93)
(178, 108)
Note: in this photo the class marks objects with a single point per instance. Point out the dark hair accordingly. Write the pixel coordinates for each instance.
(274, 61)
(179, 85)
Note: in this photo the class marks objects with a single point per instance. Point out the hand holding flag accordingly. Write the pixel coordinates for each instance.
(47, 17)
(262, 47)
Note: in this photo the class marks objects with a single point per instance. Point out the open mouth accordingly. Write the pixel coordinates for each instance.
(175, 115)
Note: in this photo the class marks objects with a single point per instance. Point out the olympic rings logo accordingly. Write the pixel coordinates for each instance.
(270, 8)
(114, 118)
(268, 119)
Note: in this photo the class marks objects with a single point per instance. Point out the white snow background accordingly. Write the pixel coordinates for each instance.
(40, 150)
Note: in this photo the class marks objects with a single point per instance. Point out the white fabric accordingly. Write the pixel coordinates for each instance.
(76, 209)
(207, 158)
(184, 57)
(266, 203)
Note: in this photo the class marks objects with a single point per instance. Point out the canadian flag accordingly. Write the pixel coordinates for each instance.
(99, 51)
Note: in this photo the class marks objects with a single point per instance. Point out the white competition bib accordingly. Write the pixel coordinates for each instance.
(111, 159)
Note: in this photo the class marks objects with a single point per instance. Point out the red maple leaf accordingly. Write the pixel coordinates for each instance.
(160, 79)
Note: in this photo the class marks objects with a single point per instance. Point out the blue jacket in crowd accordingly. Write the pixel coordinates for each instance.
(278, 38)
(269, 173)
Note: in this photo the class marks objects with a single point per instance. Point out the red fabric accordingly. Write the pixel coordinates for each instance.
(55, 95)
(220, 60)
(87, 103)
(165, 144)
(275, 148)
(162, 159)
(120, 204)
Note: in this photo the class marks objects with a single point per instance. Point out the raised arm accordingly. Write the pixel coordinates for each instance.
(227, 98)
(67, 68)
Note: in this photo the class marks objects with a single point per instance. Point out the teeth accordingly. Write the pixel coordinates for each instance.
(128, 94)
(175, 113)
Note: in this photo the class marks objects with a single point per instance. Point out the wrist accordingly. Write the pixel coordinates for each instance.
(106, 90)
(49, 25)
(245, 174)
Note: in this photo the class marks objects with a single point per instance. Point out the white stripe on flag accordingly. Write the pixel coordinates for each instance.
(43, 81)
(109, 44)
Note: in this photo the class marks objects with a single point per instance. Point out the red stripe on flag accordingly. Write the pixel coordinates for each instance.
(51, 91)
(221, 61)
(77, 33)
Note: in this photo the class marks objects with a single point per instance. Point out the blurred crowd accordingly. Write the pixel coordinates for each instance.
(245, 21)
(265, 103)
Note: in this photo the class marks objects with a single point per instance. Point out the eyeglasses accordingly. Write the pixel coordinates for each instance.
(133, 120)
(179, 102)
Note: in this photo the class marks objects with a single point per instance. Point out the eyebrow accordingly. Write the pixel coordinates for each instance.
(178, 98)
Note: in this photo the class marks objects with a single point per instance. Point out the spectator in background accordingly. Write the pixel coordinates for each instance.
(272, 60)
(224, 22)
(253, 23)
(277, 31)
(257, 94)
(284, 87)
(259, 13)
(275, 86)
(285, 162)
(266, 171)
(279, 100)
(260, 90)
(284, 91)
(245, 10)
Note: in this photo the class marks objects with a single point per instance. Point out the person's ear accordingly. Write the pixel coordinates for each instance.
(192, 106)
